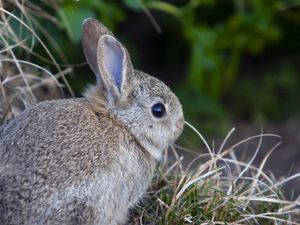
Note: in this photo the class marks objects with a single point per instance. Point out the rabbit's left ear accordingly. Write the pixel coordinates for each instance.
(92, 30)
(115, 68)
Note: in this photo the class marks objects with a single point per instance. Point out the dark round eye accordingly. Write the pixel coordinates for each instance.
(158, 110)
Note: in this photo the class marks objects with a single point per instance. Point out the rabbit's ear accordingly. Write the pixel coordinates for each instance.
(92, 30)
(114, 66)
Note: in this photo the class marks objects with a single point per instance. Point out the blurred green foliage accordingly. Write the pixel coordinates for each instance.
(218, 38)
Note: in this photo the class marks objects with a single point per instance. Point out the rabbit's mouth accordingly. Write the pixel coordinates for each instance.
(180, 123)
(179, 128)
(177, 134)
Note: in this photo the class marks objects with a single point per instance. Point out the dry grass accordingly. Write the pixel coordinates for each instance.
(22, 82)
(221, 190)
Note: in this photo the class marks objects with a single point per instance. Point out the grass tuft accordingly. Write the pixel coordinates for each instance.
(220, 190)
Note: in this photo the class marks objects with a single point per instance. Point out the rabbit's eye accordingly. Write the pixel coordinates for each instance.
(158, 110)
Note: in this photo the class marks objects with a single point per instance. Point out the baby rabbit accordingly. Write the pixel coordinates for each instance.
(88, 160)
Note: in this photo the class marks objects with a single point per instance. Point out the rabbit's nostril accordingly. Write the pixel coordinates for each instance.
(179, 124)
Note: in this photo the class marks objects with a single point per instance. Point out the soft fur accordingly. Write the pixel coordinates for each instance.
(87, 160)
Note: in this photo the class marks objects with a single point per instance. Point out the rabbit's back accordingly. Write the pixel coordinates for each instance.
(63, 151)
(53, 134)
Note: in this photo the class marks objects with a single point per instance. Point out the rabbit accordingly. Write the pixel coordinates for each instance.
(88, 160)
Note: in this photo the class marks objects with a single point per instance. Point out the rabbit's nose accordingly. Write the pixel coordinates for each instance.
(179, 124)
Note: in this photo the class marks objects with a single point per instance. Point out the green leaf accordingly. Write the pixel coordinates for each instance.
(133, 4)
(163, 6)
(72, 16)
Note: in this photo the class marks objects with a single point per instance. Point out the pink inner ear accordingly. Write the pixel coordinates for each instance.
(113, 60)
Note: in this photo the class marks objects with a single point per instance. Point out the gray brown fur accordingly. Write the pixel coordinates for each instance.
(86, 160)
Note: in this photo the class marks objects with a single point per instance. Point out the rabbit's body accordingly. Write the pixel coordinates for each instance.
(87, 161)
(35, 174)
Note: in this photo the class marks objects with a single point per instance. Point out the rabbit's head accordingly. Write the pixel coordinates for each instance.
(143, 104)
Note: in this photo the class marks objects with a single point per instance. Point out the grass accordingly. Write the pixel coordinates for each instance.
(215, 188)
(21, 80)
(221, 190)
